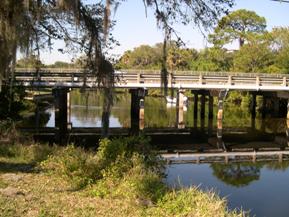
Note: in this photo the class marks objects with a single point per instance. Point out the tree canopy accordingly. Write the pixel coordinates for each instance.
(238, 25)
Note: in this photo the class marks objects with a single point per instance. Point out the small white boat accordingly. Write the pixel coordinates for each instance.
(173, 100)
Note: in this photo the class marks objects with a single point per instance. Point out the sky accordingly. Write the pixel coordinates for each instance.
(133, 28)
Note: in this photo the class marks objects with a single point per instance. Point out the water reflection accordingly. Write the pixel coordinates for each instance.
(236, 174)
(261, 188)
(87, 110)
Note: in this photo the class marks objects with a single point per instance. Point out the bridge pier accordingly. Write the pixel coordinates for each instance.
(221, 98)
(180, 109)
(196, 99)
(203, 105)
(264, 103)
(62, 114)
(253, 110)
(276, 105)
(137, 109)
(210, 115)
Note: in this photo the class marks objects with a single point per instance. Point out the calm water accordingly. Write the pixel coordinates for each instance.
(261, 188)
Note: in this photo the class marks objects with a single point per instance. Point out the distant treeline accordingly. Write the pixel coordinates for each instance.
(265, 53)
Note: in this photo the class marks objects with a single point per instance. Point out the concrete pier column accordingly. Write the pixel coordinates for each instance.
(137, 109)
(203, 105)
(264, 103)
(253, 111)
(196, 99)
(62, 115)
(287, 123)
(276, 107)
(211, 107)
(210, 115)
(180, 109)
(221, 98)
(253, 105)
(220, 119)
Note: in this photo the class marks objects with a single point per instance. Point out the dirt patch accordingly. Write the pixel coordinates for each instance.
(11, 192)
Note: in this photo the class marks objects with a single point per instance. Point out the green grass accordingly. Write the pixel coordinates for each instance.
(123, 178)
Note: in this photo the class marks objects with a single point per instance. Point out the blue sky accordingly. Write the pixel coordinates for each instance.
(133, 28)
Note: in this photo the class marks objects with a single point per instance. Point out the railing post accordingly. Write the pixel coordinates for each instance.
(284, 82)
(200, 79)
(138, 79)
(257, 81)
(229, 80)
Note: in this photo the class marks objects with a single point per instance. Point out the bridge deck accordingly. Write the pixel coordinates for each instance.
(151, 79)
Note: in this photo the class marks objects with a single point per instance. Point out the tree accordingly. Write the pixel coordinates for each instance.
(31, 61)
(213, 59)
(238, 25)
(280, 46)
(256, 56)
(237, 174)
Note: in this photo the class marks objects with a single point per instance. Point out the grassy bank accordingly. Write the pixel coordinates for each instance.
(122, 178)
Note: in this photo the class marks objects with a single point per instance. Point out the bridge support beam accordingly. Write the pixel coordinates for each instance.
(276, 107)
(253, 110)
(253, 105)
(264, 103)
(137, 109)
(287, 123)
(180, 109)
(210, 115)
(203, 105)
(221, 98)
(196, 99)
(62, 114)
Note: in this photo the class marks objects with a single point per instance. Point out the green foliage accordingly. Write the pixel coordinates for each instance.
(31, 61)
(31, 154)
(74, 164)
(213, 59)
(255, 56)
(113, 159)
(12, 103)
(239, 25)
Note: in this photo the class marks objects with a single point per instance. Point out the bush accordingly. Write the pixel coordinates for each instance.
(113, 159)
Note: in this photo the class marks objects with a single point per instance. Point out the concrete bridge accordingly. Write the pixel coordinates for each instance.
(204, 85)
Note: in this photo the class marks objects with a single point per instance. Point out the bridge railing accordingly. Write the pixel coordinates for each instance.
(129, 78)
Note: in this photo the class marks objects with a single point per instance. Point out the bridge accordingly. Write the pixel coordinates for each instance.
(75, 78)
(204, 85)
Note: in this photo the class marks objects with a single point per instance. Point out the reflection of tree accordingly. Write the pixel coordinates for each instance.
(274, 165)
(237, 174)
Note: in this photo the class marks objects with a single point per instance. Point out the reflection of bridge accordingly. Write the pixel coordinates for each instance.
(205, 84)
(226, 157)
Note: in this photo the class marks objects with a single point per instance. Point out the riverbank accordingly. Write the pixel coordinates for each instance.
(123, 178)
